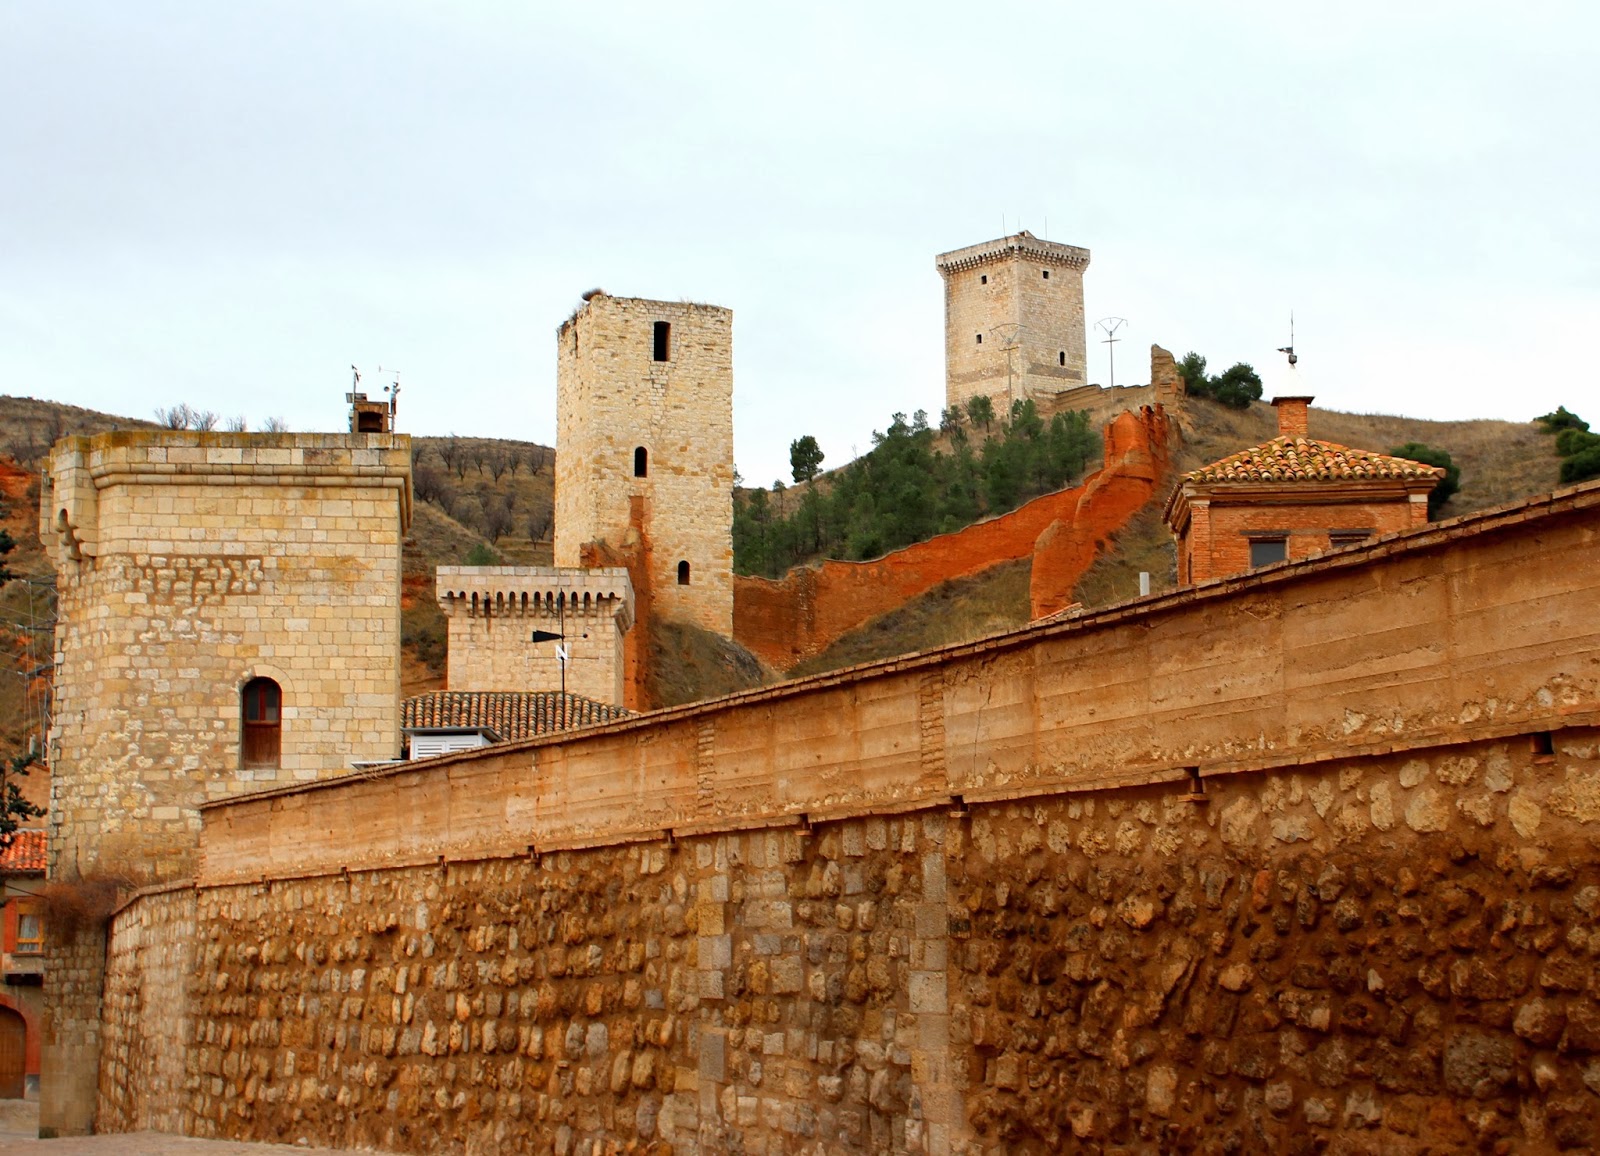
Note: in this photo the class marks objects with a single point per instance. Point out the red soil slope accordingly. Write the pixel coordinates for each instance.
(801, 614)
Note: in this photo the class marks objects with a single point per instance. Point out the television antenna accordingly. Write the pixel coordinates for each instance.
(1109, 326)
(1289, 349)
(1009, 333)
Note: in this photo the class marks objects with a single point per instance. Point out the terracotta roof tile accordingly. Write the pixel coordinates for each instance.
(511, 714)
(25, 854)
(1299, 459)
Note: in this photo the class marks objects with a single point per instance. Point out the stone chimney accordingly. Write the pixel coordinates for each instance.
(1292, 416)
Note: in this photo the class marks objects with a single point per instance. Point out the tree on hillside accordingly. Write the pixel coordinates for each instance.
(1561, 419)
(1235, 387)
(1428, 456)
(805, 458)
(980, 410)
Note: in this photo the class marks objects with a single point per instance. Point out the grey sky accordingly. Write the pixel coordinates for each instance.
(227, 205)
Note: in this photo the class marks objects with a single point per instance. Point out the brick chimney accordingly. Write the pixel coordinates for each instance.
(1292, 416)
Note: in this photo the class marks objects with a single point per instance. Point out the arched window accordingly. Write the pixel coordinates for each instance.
(262, 717)
(683, 573)
(641, 462)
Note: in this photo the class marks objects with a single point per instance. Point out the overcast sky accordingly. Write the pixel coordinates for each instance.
(228, 204)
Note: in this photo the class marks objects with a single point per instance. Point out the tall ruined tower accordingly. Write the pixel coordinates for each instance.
(228, 621)
(644, 461)
(1013, 320)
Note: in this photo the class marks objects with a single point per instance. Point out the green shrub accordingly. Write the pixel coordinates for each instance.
(1428, 456)
(1573, 440)
(1561, 419)
(1580, 467)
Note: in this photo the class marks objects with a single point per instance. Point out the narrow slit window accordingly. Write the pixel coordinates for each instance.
(1046, 273)
(641, 462)
(983, 278)
(1062, 357)
(262, 710)
(663, 340)
(683, 573)
(980, 339)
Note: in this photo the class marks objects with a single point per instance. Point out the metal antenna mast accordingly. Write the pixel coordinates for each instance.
(1289, 349)
(1109, 326)
(1009, 333)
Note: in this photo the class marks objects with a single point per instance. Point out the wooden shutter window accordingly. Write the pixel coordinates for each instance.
(263, 723)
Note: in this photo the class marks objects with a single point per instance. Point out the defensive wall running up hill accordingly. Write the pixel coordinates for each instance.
(1302, 858)
(798, 616)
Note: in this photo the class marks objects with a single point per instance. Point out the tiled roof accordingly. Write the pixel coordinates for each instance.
(511, 714)
(25, 854)
(1299, 459)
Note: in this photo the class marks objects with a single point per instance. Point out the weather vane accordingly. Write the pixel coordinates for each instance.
(1289, 349)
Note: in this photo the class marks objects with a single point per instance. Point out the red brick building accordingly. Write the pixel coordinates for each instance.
(1290, 498)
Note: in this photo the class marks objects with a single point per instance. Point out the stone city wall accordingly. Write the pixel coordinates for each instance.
(1396, 954)
(1301, 858)
(800, 615)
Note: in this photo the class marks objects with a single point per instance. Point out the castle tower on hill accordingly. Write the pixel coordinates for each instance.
(1013, 320)
(644, 462)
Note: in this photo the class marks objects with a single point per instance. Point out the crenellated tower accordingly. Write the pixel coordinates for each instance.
(1013, 320)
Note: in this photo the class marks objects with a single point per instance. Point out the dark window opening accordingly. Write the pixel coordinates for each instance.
(1338, 538)
(663, 340)
(1046, 273)
(262, 708)
(1266, 551)
(983, 278)
(369, 423)
(1062, 357)
(683, 573)
(1544, 745)
(641, 462)
(980, 339)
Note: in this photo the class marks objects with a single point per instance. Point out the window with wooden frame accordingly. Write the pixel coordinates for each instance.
(261, 709)
(30, 930)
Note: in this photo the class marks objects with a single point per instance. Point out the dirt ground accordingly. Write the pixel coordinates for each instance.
(19, 1129)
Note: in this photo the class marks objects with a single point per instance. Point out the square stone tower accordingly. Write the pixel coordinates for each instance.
(1013, 320)
(228, 620)
(644, 452)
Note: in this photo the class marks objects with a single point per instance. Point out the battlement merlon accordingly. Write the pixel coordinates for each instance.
(544, 592)
(83, 466)
(1023, 245)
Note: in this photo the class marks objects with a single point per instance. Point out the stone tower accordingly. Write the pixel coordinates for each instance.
(644, 453)
(228, 621)
(1013, 320)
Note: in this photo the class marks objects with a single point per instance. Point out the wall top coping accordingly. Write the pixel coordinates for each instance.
(1023, 244)
(604, 302)
(1579, 499)
(531, 576)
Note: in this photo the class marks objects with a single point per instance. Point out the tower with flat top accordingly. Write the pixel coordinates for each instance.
(1013, 320)
(644, 452)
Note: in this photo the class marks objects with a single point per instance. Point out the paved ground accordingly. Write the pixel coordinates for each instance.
(19, 1129)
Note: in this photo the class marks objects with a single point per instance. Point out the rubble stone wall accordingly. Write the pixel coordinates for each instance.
(1394, 953)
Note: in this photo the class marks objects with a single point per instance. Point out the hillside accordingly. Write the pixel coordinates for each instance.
(496, 497)
(1500, 462)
